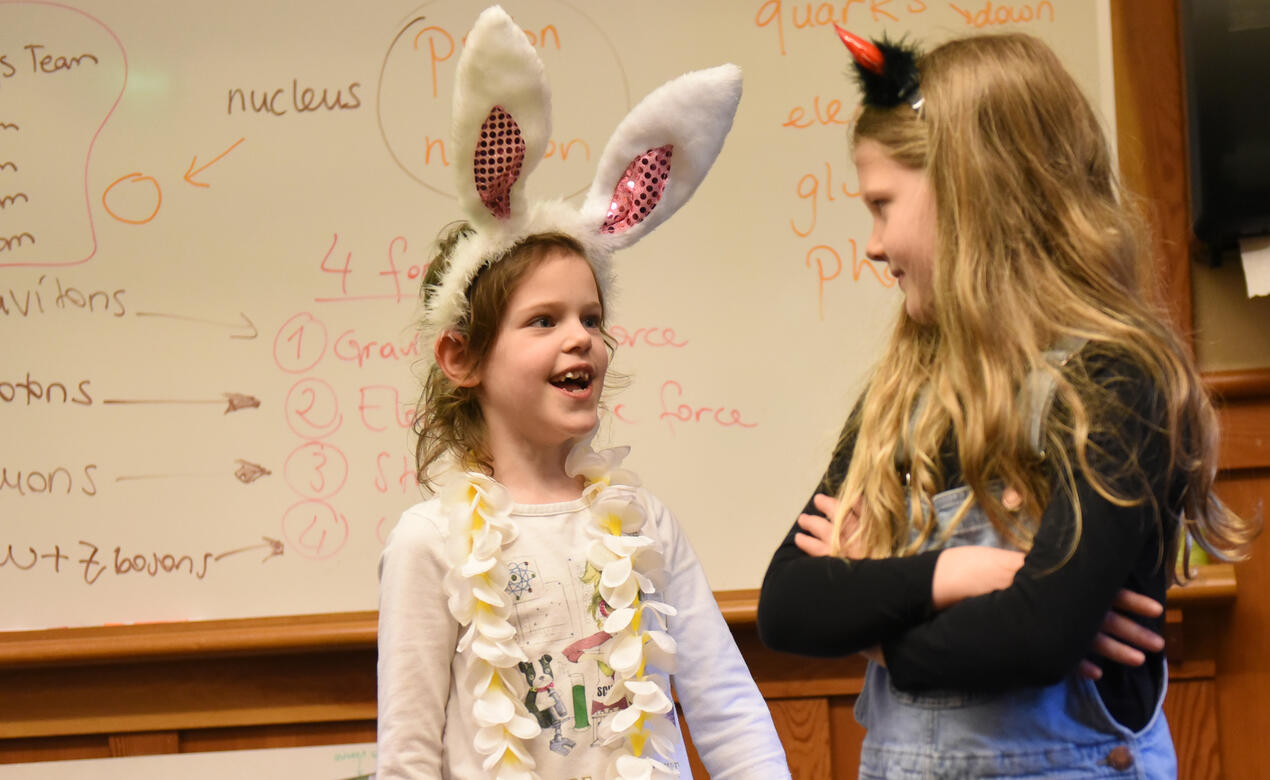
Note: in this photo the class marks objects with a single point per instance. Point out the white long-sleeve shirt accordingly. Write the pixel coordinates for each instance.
(426, 728)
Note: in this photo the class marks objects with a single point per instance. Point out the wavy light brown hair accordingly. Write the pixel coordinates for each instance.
(448, 419)
(1036, 243)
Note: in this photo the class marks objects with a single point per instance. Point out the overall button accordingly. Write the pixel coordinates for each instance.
(1120, 758)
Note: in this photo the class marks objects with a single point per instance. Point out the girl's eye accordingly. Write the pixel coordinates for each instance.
(592, 321)
(541, 321)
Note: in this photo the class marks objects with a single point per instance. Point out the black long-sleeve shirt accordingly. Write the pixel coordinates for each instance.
(1038, 629)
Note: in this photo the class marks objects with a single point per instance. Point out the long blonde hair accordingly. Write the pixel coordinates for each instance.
(1036, 244)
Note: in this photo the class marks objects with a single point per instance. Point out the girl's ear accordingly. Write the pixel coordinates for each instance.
(454, 360)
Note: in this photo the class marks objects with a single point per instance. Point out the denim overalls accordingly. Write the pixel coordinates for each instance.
(1060, 731)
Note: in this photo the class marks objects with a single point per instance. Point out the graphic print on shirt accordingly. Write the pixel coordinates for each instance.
(545, 703)
(541, 607)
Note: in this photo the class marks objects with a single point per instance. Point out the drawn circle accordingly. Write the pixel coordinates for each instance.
(300, 343)
(133, 199)
(314, 530)
(312, 409)
(316, 470)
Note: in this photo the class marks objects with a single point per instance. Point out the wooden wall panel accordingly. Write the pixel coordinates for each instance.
(1190, 707)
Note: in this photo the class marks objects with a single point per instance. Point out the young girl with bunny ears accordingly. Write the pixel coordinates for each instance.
(536, 610)
(1027, 452)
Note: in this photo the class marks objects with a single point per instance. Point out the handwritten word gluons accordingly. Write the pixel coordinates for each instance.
(60, 480)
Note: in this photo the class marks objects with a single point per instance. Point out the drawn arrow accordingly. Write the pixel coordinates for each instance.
(245, 319)
(275, 548)
(236, 401)
(191, 172)
(246, 473)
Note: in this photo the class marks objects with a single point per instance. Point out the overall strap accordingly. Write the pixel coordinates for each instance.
(1036, 396)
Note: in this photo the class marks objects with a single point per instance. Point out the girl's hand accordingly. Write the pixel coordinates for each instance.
(817, 537)
(964, 572)
(1120, 637)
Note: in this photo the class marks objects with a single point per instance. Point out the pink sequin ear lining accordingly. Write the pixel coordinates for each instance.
(639, 190)
(499, 156)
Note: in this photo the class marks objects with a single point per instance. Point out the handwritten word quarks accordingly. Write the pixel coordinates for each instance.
(774, 14)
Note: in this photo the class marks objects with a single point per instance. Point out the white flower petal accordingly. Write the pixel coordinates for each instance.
(627, 653)
(619, 620)
(624, 720)
(493, 708)
(524, 727)
(616, 573)
(621, 596)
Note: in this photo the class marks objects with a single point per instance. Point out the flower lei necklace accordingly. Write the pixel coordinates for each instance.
(631, 568)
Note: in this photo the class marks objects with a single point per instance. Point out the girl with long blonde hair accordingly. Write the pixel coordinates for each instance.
(1012, 487)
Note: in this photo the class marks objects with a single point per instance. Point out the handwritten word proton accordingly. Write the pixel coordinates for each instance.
(66, 297)
(31, 390)
(772, 12)
(437, 38)
(303, 101)
(50, 63)
(810, 190)
(671, 412)
(1005, 13)
(648, 337)
(46, 482)
(821, 253)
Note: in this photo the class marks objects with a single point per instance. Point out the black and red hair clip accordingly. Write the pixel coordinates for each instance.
(887, 71)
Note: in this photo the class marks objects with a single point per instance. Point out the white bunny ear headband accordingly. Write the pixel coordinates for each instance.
(650, 167)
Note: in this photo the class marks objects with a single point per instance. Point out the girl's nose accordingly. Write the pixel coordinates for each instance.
(576, 336)
(874, 249)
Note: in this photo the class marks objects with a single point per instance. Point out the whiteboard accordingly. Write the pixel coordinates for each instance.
(215, 220)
